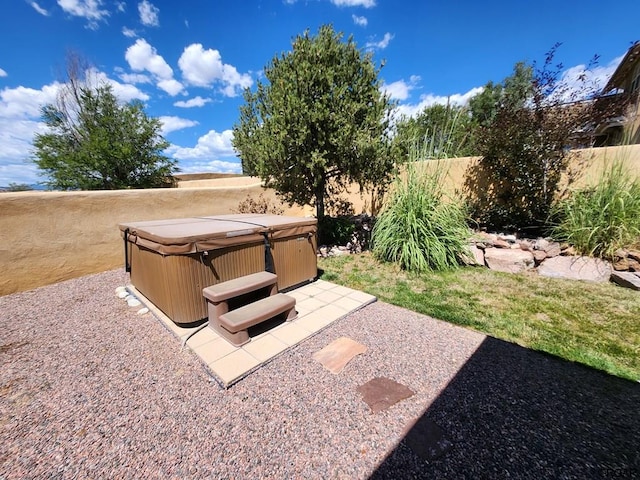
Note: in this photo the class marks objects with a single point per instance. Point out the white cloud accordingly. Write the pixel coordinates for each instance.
(23, 103)
(89, 9)
(39, 9)
(171, 86)
(210, 145)
(428, 100)
(400, 90)
(3, 73)
(354, 3)
(171, 124)
(362, 21)
(142, 56)
(134, 78)
(123, 91)
(19, 115)
(148, 14)
(127, 93)
(576, 79)
(192, 102)
(202, 68)
(128, 32)
(213, 166)
(121, 6)
(17, 171)
(382, 44)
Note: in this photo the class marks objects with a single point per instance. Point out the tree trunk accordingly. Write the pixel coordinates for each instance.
(320, 198)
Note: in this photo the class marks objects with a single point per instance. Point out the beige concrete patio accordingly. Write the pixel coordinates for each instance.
(318, 304)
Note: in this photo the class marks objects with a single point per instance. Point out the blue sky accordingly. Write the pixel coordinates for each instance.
(189, 60)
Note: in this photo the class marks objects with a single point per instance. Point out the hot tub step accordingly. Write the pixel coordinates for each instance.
(239, 286)
(234, 324)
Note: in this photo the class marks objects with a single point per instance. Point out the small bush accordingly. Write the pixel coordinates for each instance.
(600, 220)
(419, 227)
(261, 205)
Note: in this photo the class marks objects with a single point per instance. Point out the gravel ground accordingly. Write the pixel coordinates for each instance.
(89, 389)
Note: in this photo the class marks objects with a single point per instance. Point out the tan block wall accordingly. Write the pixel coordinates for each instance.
(47, 237)
(590, 163)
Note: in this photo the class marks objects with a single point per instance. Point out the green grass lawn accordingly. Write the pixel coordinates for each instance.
(591, 323)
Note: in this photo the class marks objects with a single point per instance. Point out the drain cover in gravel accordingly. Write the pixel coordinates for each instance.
(380, 393)
(427, 439)
(338, 353)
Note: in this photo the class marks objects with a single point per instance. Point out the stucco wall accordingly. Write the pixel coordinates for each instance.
(46, 237)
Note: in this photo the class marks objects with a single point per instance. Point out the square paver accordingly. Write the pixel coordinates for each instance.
(234, 365)
(265, 347)
(323, 316)
(312, 290)
(324, 285)
(327, 296)
(347, 304)
(361, 296)
(203, 336)
(290, 333)
(340, 290)
(214, 350)
(310, 304)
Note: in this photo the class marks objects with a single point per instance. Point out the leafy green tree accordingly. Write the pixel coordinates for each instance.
(448, 130)
(94, 142)
(318, 123)
(526, 126)
(514, 92)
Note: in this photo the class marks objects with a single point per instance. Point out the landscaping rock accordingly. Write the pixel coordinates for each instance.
(634, 265)
(576, 268)
(539, 256)
(476, 258)
(621, 264)
(634, 255)
(626, 279)
(541, 244)
(508, 260)
(552, 249)
(499, 243)
(526, 244)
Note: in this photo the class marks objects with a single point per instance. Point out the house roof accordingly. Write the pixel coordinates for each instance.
(624, 68)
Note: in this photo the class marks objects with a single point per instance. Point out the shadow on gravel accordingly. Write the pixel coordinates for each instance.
(511, 412)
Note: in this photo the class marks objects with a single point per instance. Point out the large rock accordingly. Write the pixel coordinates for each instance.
(576, 268)
(626, 279)
(475, 256)
(508, 260)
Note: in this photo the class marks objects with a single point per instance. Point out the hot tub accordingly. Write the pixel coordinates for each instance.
(171, 261)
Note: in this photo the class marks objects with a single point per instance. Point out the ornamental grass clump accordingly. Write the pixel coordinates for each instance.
(420, 228)
(602, 219)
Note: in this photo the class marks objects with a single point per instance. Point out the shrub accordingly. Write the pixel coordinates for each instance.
(419, 227)
(261, 205)
(527, 125)
(335, 230)
(598, 221)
